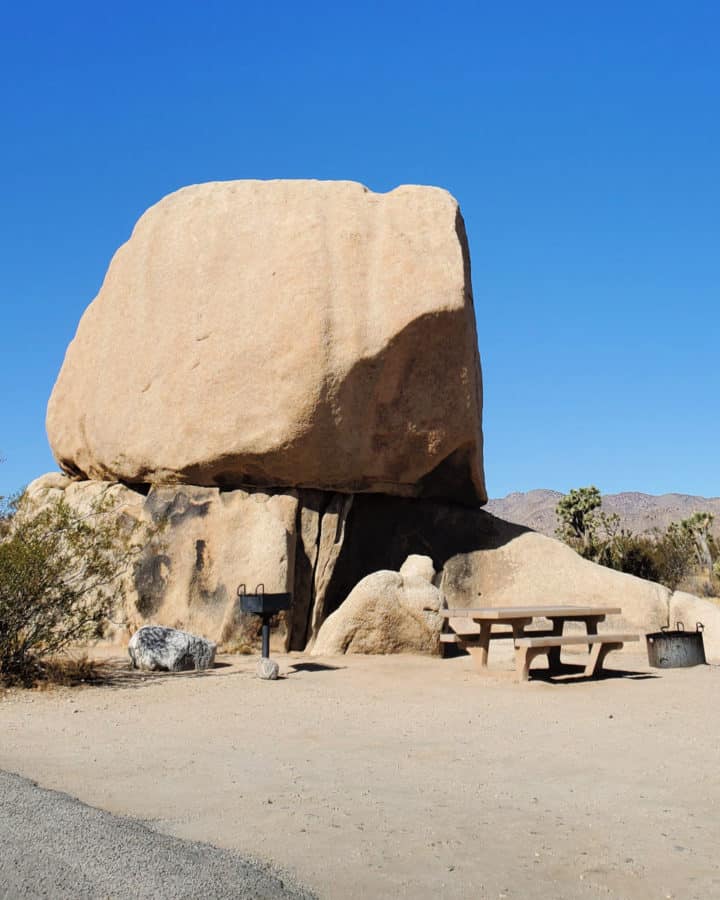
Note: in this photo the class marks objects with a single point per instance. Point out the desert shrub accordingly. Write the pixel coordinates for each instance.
(670, 557)
(61, 576)
(675, 555)
(598, 536)
(6, 514)
(632, 554)
(69, 670)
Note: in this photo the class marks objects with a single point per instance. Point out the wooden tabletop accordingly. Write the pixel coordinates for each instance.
(494, 613)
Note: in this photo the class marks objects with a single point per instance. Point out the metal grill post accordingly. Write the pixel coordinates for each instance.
(266, 636)
(265, 606)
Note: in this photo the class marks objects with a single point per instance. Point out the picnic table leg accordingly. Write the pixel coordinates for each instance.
(479, 651)
(518, 628)
(591, 626)
(554, 664)
(597, 657)
(522, 663)
(523, 655)
(523, 659)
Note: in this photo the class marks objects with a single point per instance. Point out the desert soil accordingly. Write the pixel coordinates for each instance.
(403, 776)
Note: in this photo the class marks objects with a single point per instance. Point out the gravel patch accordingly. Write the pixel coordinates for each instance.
(52, 846)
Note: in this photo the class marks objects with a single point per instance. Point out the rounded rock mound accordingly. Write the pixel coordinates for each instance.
(283, 334)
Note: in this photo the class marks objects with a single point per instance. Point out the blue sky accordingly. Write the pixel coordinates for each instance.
(582, 141)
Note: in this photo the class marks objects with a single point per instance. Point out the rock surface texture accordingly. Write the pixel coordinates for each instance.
(689, 609)
(157, 649)
(281, 333)
(209, 542)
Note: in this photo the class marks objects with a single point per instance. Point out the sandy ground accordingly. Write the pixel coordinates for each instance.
(404, 776)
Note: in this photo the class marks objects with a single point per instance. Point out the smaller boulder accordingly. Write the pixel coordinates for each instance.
(267, 669)
(387, 612)
(155, 648)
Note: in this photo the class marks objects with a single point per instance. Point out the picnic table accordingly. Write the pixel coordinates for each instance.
(473, 629)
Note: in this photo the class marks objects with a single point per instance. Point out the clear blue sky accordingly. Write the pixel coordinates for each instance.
(582, 141)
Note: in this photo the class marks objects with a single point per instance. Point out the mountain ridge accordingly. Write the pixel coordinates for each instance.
(639, 512)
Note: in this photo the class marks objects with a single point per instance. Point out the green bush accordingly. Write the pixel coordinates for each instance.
(61, 576)
(633, 555)
(670, 557)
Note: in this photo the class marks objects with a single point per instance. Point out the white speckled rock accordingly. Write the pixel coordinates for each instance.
(155, 648)
(267, 669)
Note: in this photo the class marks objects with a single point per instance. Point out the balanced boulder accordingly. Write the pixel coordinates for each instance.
(283, 334)
(158, 649)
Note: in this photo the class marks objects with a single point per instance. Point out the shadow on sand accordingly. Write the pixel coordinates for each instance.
(119, 673)
(569, 673)
(313, 667)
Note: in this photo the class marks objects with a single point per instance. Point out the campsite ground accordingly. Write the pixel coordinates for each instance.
(403, 776)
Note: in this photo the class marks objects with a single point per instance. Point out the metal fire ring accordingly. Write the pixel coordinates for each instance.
(676, 649)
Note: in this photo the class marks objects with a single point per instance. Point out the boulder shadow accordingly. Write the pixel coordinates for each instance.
(119, 674)
(312, 667)
(382, 531)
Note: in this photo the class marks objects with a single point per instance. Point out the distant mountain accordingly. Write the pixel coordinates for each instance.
(638, 512)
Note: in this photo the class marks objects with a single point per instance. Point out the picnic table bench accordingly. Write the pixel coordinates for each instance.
(473, 629)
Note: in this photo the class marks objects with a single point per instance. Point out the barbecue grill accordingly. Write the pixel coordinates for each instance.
(264, 605)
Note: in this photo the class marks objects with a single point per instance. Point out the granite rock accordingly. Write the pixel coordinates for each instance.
(387, 612)
(281, 334)
(267, 669)
(155, 648)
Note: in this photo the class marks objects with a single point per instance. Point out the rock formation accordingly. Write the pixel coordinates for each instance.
(281, 334)
(321, 547)
(287, 375)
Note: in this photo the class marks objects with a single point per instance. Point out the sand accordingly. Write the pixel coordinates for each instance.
(404, 776)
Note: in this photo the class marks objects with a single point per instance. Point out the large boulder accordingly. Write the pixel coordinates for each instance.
(387, 612)
(281, 333)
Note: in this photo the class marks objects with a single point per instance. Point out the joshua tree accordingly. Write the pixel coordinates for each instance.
(698, 528)
(577, 522)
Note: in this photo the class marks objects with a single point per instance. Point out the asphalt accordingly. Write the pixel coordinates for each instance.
(53, 846)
